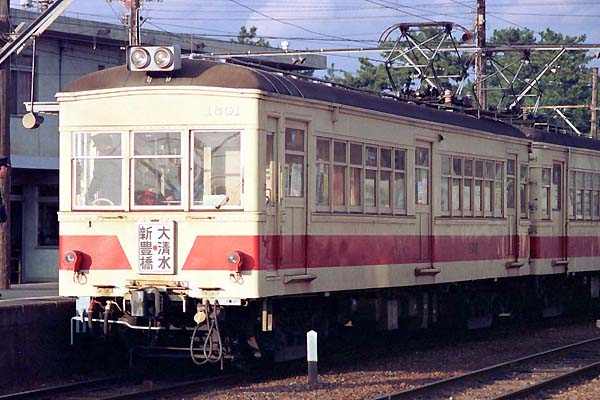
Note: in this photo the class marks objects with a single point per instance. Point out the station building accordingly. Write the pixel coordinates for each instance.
(70, 49)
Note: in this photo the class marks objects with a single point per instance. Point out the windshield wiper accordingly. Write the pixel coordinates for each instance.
(222, 202)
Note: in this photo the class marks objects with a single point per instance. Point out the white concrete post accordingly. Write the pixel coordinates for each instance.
(311, 357)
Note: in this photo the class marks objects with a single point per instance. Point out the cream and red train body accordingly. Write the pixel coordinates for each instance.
(299, 244)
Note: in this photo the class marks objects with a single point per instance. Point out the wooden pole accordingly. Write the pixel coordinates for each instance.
(594, 105)
(134, 23)
(5, 149)
(480, 71)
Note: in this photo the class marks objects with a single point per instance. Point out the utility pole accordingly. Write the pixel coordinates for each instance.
(5, 147)
(480, 91)
(134, 23)
(594, 130)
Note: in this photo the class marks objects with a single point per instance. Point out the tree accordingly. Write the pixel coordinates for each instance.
(246, 36)
(566, 83)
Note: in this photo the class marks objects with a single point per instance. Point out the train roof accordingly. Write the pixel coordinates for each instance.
(219, 74)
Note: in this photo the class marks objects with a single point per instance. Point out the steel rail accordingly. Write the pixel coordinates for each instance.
(171, 389)
(83, 388)
(53, 390)
(550, 382)
(441, 384)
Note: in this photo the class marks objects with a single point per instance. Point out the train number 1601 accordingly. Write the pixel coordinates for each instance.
(229, 111)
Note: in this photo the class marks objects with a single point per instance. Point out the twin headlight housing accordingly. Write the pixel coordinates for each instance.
(153, 58)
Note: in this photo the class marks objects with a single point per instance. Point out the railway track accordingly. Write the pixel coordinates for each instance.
(120, 388)
(514, 379)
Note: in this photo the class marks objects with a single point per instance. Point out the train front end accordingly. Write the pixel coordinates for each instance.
(159, 215)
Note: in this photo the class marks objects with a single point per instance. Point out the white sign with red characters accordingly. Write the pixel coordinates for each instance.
(156, 247)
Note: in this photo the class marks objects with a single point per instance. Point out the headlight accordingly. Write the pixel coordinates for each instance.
(73, 259)
(163, 57)
(235, 260)
(140, 58)
(153, 58)
(70, 257)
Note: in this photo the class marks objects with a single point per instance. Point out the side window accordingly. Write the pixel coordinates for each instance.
(596, 205)
(270, 170)
(217, 169)
(510, 184)
(97, 170)
(572, 195)
(523, 190)
(400, 181)
(323, 172)
(557, 187)
(294, 162)
(445, 184)
(546, 194)
(385, 180)
(156, 165)
(339, 174)
(356, 168)
(371, 163)
(421, 175)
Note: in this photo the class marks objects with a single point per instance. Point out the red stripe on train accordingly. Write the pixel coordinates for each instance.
(98, 252)
(267, 252)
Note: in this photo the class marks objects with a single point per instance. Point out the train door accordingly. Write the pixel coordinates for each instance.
(556, 203)
(270, 237)
(293, 209)
(511, 207)
(423, 199)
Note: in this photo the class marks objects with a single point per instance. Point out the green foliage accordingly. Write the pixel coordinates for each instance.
(246, 36)
(567, 82)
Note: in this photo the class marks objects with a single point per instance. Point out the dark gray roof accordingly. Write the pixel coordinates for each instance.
(212, 74)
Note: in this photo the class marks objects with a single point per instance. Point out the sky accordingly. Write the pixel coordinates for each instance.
(323, 24)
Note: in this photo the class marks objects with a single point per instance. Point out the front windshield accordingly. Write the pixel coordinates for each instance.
(157, 168)
(98, 166)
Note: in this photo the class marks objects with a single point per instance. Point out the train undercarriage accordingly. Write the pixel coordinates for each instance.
(153, 322)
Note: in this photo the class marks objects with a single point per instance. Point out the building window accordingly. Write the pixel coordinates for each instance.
(216, 169)
(47, 222)
(97, 169)
(156, 164)
(294, 163)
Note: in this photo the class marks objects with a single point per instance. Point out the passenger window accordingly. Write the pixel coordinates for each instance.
(323, 168)
(217, 171)
(97, 169)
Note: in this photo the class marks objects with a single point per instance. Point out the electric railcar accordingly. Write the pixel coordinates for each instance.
(222, 210)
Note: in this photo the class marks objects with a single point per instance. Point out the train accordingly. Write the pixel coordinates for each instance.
(221, 211)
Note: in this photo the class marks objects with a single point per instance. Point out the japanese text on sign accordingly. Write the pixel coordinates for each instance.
(155, 247)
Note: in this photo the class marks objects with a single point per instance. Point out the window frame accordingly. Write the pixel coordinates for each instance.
(124, 171)
(132, 157)
(189, 165)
